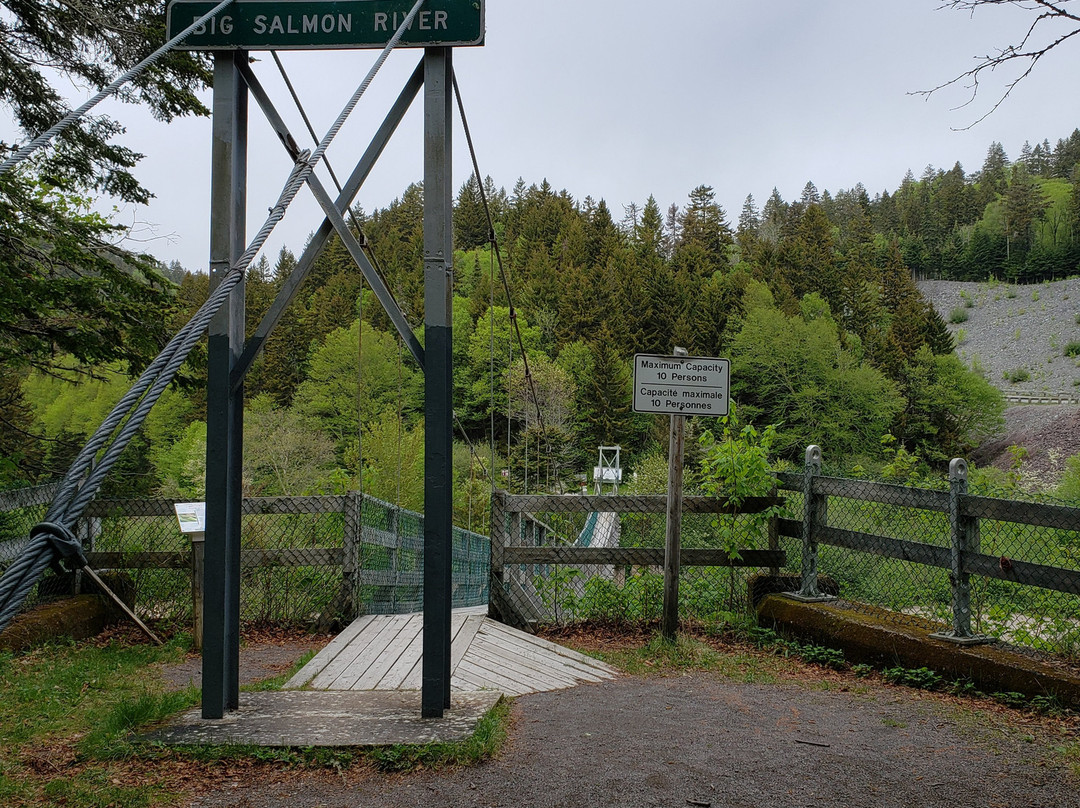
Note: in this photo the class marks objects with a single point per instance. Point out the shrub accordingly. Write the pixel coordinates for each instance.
(1017, 375)
(922, 678)
(958, 315)
(1073, 348)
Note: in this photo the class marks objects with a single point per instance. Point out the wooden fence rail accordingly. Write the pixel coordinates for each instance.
(962, 555)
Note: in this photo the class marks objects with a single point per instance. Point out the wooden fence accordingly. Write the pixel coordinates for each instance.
(524, 547)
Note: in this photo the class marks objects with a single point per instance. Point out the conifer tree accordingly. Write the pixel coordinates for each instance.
(649, 234)
(470, 218)
(704, 224)
(608, 408)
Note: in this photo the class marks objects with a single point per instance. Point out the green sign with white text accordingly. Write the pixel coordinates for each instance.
(328, 24)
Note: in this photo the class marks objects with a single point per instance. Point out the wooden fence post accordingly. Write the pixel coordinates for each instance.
(394, 555)
(496, 593)
(350, 555)
(198, 565)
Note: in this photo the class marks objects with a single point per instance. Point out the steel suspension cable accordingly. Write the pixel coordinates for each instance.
(69, 120)
(53, 538)
(505, 282)
(365, 243)
(315, 137)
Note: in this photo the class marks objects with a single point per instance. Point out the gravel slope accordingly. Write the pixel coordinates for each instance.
(1012, 328)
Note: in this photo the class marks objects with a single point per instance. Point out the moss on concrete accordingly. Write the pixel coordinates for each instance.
(873, 636)
(77, 617)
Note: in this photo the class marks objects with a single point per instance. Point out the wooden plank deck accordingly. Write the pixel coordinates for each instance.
(384, 652)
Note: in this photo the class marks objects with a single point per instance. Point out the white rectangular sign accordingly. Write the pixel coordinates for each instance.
(191, 516)
(681, 385)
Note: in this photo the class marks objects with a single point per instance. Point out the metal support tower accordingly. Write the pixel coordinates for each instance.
(225, 402)
(438, 380)
(608, 471)
(230, 359)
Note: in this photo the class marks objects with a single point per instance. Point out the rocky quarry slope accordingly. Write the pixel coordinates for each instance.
(1025, 340)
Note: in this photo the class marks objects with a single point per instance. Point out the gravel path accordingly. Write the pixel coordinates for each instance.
(701, 740)
(1012, 328)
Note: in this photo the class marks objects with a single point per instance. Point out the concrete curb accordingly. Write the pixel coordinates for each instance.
(871, 636)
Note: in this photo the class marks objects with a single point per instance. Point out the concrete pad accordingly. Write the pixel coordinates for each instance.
(301, 718)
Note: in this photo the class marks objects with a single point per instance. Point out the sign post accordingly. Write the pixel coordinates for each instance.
(678, 386)
(673, 537)
(192, 519)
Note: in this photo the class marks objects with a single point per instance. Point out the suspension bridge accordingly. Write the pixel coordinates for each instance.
(421, 650)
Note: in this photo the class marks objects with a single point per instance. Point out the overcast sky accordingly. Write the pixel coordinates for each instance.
(619, 100)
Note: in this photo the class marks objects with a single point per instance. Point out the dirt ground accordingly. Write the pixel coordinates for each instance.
(1049, 434)
(264, 655)
(815, 737)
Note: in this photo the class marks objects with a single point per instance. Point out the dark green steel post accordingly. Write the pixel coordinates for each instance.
(815, 516)
(438, 389)
(225, 404)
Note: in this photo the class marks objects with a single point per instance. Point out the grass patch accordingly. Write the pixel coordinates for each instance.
(661, 655)
(1070, 755)
(65, 713)
(1073, 348)
(714, 648)
(483, 744)
(958, 315)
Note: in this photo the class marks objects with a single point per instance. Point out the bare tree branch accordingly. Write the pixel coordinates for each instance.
(1053, 25)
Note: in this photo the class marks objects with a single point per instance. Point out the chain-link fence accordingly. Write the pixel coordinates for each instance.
(863, 546)
(969, 566)
(20, 510)
(304, 560)
(965, 566)
(567, 558)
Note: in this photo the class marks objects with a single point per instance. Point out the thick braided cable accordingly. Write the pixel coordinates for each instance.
(331, 133)
(72, 498)
(88, 490)
(20, 577)
(68, 120)
(300, 173)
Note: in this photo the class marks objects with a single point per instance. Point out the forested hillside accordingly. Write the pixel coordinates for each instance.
(814, 300)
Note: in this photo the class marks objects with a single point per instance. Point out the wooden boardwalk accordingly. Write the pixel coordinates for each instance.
(383, 652)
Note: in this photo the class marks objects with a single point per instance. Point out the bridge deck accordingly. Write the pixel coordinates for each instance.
(383, 652)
